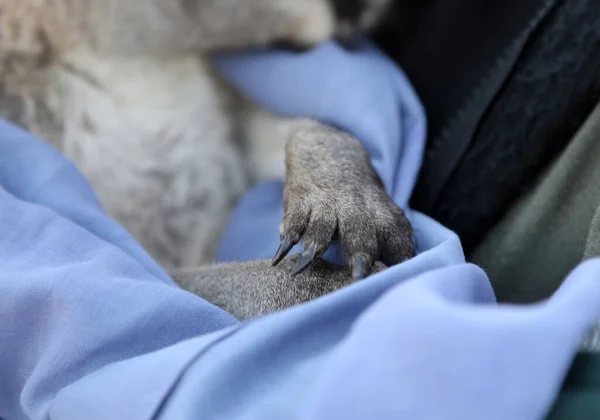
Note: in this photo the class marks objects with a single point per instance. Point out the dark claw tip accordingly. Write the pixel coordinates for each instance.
(306, 258)
(284, 248)
(361, 266)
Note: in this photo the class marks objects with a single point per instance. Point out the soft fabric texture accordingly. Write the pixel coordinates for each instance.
(519, 77)
(91, 328)
(381, 107)
(553, 87)
(466, 41)
(580, 395)
(544, 235)
(76, 279)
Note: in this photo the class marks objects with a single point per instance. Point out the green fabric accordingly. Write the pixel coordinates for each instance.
(544, 235)
(579, 398)
(580, 394)
(592, 246)
(552, 228)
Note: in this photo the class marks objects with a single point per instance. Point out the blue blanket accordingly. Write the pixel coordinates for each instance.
(91, 328)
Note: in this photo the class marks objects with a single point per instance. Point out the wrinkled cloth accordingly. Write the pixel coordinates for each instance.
(380, 106)
(91, 328)
(545, 234)
(580, 395)
(550, 92)
(506, 85)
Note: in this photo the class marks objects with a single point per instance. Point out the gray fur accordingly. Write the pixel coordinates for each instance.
(333, 191)
(255, 288)
(124, 89)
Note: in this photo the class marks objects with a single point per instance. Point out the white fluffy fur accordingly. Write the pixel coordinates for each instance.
(157, 142)
(158, 135)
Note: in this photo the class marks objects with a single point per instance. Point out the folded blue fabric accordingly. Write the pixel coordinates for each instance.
(91, 328)
(363, 93)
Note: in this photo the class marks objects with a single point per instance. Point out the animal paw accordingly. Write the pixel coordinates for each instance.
(332, 192)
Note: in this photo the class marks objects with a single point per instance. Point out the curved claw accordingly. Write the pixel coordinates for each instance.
(306, 258)
(285, 247)
(361, 267)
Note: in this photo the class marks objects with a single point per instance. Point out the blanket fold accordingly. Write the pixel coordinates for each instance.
(91, 328)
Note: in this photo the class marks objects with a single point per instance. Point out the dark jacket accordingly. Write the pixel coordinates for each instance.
(505, 84)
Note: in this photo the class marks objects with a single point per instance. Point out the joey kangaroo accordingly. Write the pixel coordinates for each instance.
(124, 89)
